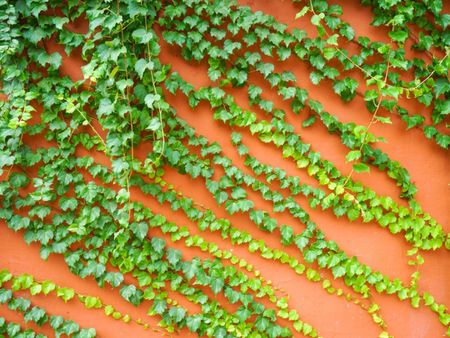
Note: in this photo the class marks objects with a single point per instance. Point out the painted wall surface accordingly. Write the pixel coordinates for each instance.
(333, 316)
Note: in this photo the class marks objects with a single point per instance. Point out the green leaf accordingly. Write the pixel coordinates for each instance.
(257, 216)
(92, 302)
(265, 68)
(173, 156)
(287, 234)
(315, 77)
(140, 229)
(441, 86)
(68, 203)
(141, 65)
(37, 315)
(221, 197)
(338, 271)
(154, 124)
(353, 155)
(309, 121)
(385, 120)
(159, 306)
(254, 91)
(5, 295)
(131, 294)
(361, 167)
(173, 256)
(48, 287)
(316, 18)
(301, 242)
(283, 53)
(399, 35)
(158, 244)
(370, 95)
(150, 99)
(142, 36)
(333, 40)
(238, 193)
(177, 314)
(65, 294)
(302, 12)
(18, 180)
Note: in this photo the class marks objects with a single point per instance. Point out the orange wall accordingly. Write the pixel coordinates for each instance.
(332, 316)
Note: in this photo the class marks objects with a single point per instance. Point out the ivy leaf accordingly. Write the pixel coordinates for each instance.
(214, 74)
(59, 22)
(302, 12)
(34, 35)
(254, 91)
(333, 40)
(238, 193)
(315, 77)
(221, 197)
(18, 180)
(399, 35)
(54, 60)
(158, 244)
(119, 166)
(429, 131)
(265, 68)
(316, 18)
(370, 95)
(154, 124)
(177, 314)
(346, 88)
(5, 295)
(37, 315)
(317, 61)
(159, 306)
(283, 53)
(68, 203)
(140, 229)
(338, 271)
(257, 216)
(441, 86)
(173, 256)
(173, 156)
(142, 36)
(131, 294)
(353, 155)
(193, 322)
(361, 167)
(114, 278)
(310, 255)
(141, 65)
(385, 120)
(287, 234)
(105, 107)
(347, 31)
(65, 294)
(122, 84)
(309, 121)
(48, 287)
(301, 242)
(150, 99)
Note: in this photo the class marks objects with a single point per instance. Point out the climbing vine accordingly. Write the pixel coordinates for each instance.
(86, 164)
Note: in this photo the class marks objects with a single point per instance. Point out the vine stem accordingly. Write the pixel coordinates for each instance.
(372, 121)
(155, 90)
(92, 127)
(130, 113)
(365, 72)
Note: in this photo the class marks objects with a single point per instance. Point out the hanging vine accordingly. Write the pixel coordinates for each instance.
(73, 181)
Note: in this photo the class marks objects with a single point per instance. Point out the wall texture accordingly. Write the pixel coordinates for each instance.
(333, 316)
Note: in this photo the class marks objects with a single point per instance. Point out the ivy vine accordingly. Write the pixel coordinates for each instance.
(85, 192)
